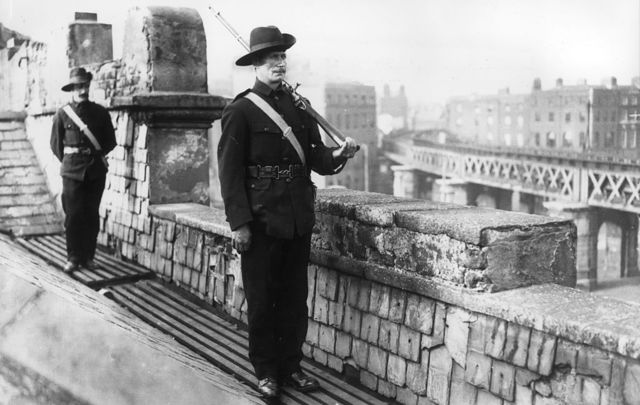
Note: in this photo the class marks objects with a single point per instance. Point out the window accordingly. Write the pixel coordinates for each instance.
(520, 121)
(551, 116)
(567, 139)
(634, 139)
(609, 140)
(507, 121)
(459, 122)
(567, 117)
(582, 116)
(536, 138)
(625, 100)
(551, 139)
(634, 100)
(490, 120)
(596, 139)
(507, 108)
(537, 116)
(507, 139)
(520, 140)
(583, 140)
(489, 136)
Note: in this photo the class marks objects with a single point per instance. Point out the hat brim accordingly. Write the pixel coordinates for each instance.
(247, 60)
(77, 80)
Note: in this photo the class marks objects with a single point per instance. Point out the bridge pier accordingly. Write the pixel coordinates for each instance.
(587, 224)
(450, 191)
(405, 181)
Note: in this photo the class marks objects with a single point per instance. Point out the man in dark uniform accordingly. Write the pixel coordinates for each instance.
(83, 168)
(269, 201)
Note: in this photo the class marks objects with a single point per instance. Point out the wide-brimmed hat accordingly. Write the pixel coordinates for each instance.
(265, 39)
(77, 75)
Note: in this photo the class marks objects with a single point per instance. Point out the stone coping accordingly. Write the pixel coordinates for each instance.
(466, 224)
(562, 311)
(167, 99)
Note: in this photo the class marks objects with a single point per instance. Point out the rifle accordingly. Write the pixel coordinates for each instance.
(300, 102)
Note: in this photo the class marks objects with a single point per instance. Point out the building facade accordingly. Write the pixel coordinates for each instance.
(600, 119)
(351, 107)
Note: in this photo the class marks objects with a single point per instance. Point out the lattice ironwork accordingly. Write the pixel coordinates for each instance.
(614, 190)
(610, 188)
(534, 177)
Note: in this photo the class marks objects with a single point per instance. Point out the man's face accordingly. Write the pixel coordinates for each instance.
(81, 92)
(272, 68)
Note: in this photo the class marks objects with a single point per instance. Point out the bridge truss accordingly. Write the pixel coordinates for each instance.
(603, 184)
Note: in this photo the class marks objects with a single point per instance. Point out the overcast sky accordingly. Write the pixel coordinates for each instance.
(436, 48)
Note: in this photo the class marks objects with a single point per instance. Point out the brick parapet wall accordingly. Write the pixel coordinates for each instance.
(421, 338)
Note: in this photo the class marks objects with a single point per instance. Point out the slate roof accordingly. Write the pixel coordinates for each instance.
(26, 206)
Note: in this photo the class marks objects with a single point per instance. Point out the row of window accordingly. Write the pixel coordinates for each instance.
(352, 99)
(352, 120)
(633, 100)
(568, 117)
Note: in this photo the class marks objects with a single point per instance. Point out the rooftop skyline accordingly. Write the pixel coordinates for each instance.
(436, 48)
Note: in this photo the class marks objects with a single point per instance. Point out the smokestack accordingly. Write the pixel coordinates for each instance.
(537, 84)
(610, 82)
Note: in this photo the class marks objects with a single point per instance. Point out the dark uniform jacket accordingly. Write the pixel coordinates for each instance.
(65, 132)
(282, 207)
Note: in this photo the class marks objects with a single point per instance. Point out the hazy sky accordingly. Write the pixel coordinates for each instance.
(436, 48)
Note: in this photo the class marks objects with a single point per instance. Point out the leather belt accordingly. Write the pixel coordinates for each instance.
(277, 172)
(70, 150)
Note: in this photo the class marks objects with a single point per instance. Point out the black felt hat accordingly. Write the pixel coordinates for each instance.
(78, 75)
(265, 39)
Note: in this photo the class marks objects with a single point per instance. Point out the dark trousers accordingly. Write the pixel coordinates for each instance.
(80, 202)
(274, 274)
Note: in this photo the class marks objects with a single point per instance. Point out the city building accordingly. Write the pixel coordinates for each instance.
(600, 119)
(351, 107)
(394, 108)
(499, 119)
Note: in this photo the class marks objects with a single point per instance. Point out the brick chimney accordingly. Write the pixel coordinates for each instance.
(89, 42)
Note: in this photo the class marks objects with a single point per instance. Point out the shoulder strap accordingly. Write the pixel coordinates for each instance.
(277, 119)
(83, 127)
(85, 130)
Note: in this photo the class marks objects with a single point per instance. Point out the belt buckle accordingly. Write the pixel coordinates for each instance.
(284, 172)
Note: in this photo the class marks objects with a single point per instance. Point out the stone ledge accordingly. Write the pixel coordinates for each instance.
(466, 224)
(197, 216)
(169, 99)
(562, 311)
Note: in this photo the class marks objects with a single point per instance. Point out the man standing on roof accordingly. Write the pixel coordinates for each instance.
(81, 135)
(266, 153)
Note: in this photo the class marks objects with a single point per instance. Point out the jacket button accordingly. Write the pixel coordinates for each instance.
(288, 180)
(253, 186)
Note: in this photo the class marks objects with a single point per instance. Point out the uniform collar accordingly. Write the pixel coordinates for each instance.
(262, 89)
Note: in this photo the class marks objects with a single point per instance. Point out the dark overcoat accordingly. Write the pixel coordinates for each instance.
(283, 207)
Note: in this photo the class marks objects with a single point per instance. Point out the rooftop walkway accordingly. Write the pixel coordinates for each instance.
(26, 206)
(198, 330)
